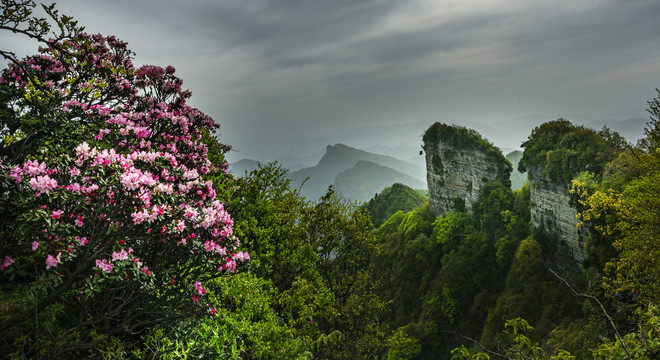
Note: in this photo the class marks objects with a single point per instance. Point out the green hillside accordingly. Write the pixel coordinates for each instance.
(365, 179)
(391, 200)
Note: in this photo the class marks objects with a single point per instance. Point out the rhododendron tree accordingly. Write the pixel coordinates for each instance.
(107, 220)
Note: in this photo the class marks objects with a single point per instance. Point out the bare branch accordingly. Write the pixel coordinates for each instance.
(602, 308)
(476, 342)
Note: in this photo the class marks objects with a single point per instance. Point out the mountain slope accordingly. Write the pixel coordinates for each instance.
(239, 168)
(340, 158)
(366, 179)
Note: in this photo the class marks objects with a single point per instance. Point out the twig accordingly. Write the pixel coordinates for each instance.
(476, 342)
(602, 308)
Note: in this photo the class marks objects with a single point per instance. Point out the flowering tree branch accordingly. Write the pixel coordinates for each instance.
(105, 209)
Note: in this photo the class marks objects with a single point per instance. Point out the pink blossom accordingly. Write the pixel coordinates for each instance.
(87, 189)
(137, 262)
(190, 174)
(230, 266)
(75, 187)
(83, 150)
(52, 261)
(199, 288)
(33, 167)
(16, 173)
(227, 231)
(82, 241)
(144, 215)
(146, 198)
(180, 226)
(121, 255)
(104, 265)
(6, 263)
(190, 212)
(138, 217)
(209, 245)
(43, 184)
(139, 176)
(146, 270)
(242, 256)
(164, 188)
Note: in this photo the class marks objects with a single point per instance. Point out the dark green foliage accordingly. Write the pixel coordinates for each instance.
(268, 213)
(457, 137)
(652, 129)
(444, 275)
(397, 197)
(487, 212)
(532, 293)
(458, 204)
(558, 151)
(309, 292)
(316, 257)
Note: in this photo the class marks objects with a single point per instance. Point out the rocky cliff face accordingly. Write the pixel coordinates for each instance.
(555, 153)
(551, 211)
(458, 164)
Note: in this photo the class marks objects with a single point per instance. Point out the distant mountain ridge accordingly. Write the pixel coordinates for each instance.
(364, 180)
(239, 168)
(340, 158)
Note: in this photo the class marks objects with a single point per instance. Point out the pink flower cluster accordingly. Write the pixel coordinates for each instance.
(211, 246)
(199, 288)
(104, 265)
(136, 181)
(121, 255)
(52, 261)
(6, 263)
(43, 184)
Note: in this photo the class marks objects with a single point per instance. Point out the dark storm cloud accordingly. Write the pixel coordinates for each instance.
(273, 71)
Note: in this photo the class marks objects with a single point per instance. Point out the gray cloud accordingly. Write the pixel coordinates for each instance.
(271, 72)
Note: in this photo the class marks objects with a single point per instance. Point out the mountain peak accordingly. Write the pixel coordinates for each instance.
(340, 157)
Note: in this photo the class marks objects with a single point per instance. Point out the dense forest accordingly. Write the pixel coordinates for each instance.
(122, 235)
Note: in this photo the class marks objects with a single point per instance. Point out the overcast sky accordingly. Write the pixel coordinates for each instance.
(273, 72)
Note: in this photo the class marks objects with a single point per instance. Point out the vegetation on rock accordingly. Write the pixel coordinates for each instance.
(558, 150)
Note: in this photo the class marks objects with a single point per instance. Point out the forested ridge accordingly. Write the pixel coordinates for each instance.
(122, 235)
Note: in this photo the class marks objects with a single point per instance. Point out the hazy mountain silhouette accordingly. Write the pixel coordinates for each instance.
(517, 178)
(364, 180)
(239, 168)
(340, 158)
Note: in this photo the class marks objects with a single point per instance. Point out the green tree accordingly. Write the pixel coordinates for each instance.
(397, 197)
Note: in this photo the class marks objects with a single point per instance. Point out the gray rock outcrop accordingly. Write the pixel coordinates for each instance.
(459, 162)
(551, 210)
